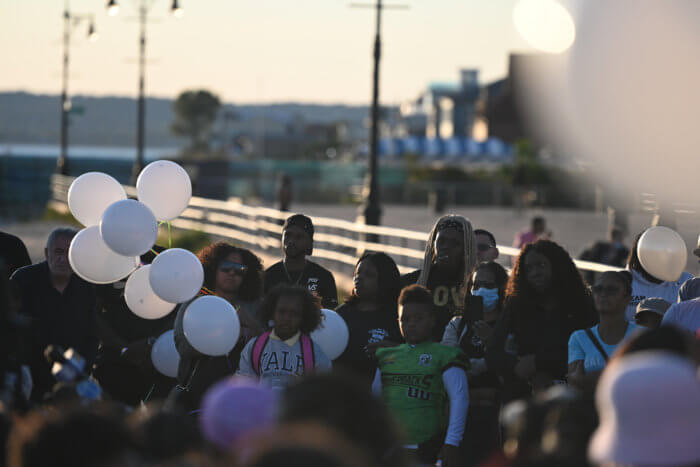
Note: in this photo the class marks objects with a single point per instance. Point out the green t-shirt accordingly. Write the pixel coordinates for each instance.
(412, 385)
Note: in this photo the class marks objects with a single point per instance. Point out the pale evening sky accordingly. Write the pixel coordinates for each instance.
(258, 50)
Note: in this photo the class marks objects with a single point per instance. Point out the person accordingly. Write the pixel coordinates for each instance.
(612, 252)
(284, 192)
(316, 398)
(448, 263)
(691, 288)
(286, 353)
(471, 333)
(590, 349)
(123, 365)
(664, 339)
(650, 312)
(417, 377)
(13, 252)
(234, 274)
(486, 247)
(370, 313)
(684, 315)
(648, 404)
(296, 269)
(62, 308)
(537, 231)
(644, 285)
(546, 300)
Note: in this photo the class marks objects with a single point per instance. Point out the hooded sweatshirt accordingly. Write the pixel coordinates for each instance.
(642, 288)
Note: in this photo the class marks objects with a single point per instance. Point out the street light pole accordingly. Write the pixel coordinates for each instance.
(371, 210)
(141, 109)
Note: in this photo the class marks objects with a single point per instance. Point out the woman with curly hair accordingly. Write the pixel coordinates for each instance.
(546, 300)
(236, 275)
(371, 314)
(285, 353)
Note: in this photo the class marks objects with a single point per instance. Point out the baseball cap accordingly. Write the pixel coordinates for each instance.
(655, 305)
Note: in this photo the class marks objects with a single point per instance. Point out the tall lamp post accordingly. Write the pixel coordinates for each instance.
(70, 21)
(371, 209)
(143, 7)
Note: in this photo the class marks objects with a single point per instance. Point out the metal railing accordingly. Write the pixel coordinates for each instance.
(337, 241)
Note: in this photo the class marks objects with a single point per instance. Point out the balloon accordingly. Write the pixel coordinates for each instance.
(332, 336)
(90, 194)
(141, 299)
(164, 187)
(663, 253)
(129, 228)
(176, 275)
(235, 407)
(211, 325)
(164, 355)
(92, 260)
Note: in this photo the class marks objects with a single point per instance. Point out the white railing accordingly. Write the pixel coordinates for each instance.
(338, 241)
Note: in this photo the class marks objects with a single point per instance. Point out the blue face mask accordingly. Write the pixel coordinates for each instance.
(489, 296)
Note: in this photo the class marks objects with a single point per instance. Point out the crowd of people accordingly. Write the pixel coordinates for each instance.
(461, 362)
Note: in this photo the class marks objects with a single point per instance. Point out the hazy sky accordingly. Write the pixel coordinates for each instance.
(258, 50)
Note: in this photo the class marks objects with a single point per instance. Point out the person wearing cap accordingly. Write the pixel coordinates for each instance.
(590, 349)
(649, 407)
(296, 269)
(650, 311)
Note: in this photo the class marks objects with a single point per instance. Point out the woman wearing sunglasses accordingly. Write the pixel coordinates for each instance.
(590, 349)
(234, 274)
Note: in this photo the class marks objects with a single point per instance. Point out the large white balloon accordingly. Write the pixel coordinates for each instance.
(663, 253)
(92, 260)
(332, 336)
(164, 355)
(211, 325)
(129, 228)
(176, 275)
(164, 187)
(141, 299)
(90, 194)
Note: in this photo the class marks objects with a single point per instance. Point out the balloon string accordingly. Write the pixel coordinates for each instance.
(154, 252)
(170, 242)
(148, 396)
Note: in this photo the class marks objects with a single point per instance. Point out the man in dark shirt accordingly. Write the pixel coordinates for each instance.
(295, 269)
(13, 253)
(60, 305)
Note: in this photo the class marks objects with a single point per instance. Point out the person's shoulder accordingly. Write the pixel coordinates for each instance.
(9, 240)
(274, 268)
(318, 269)
(686, 276)
(31, 272)
(577, 335)
(386, 355)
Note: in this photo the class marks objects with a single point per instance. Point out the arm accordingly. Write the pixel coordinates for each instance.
(455, 381)
(377, 383)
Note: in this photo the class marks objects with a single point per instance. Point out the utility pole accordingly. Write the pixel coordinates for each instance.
(371, 210)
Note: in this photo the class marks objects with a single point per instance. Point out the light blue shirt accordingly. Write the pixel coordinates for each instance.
(581, 348)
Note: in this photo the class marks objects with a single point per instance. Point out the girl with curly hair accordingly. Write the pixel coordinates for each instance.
(371, 314)
(546, 300)
(236, 275)
(285, 353)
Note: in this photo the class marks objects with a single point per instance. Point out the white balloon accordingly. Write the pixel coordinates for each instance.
(129, 228)
(92, 260)
(332, 336)
(663, 253)
(176, 275)
(164, 187)
(141, 299)
(211, 325)
(164, 355)
(90, 194)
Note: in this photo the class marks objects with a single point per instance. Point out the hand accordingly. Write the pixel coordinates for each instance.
(525, 368)
(483, 330)
(450, 456)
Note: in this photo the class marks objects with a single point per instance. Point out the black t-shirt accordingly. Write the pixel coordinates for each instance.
(315, 278)
(66, 319)
(447, 298)
(365, 328)
(13, 252)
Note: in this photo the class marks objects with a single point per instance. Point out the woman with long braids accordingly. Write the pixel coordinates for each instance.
(546, 300)
(450, 258)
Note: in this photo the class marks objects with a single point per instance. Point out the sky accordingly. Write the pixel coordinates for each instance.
(249, 51)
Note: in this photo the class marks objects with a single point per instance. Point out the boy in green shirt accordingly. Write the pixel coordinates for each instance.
(419, 377)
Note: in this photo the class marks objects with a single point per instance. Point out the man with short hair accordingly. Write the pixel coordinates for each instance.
(486, 248)
(296, 269)
(60, 305)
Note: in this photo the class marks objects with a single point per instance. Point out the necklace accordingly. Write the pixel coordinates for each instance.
(289, 277)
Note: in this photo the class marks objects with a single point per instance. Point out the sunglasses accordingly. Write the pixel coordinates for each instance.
(238, 268)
